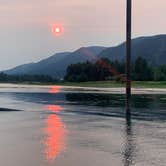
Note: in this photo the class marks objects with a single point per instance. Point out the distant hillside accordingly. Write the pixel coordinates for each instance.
(47, 66)
(57, 64)
(153, 49)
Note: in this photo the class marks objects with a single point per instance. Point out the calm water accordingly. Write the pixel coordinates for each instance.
(61, 128)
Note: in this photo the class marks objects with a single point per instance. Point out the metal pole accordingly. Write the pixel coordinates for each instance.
(128, 54)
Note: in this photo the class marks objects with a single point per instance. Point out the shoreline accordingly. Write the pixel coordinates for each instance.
(118, 90)
(81, 89)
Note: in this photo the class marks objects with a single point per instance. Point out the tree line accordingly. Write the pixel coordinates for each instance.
(104, 69)
(26, 78)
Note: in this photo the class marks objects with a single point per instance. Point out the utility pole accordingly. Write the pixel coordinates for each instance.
(128, 54)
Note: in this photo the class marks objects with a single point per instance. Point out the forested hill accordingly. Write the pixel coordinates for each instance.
(152, 49)
(56, 65)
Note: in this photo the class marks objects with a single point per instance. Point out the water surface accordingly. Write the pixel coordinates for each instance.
(56, 127)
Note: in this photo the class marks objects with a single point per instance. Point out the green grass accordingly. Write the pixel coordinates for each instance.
(109, 84)
(105, 84)
(149, 84)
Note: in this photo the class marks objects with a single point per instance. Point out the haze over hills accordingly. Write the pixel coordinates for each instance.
(153, 49)
(57, 64)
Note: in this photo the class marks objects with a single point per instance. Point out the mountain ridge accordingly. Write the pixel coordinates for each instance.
(56, 65)
(151, 48)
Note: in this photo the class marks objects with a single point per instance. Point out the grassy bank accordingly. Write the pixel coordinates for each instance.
(109, 84)
(101, 84)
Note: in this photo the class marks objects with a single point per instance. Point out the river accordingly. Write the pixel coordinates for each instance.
(52, 126)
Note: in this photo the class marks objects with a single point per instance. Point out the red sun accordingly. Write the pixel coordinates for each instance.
(57, 29)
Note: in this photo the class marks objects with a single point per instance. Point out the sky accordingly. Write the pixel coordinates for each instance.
(26, 26)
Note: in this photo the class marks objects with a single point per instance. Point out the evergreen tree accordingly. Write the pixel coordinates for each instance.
(142, 71)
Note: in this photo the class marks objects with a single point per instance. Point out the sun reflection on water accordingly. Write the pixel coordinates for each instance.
(55, 140)
(55, 89)
(55, 130)
(54, 108)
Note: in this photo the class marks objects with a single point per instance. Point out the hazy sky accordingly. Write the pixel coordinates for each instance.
(25, 33)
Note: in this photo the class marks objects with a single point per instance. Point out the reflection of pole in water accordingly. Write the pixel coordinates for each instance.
(129, 146)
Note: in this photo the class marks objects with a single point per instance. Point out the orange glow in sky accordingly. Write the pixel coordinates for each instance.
(57, 29)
